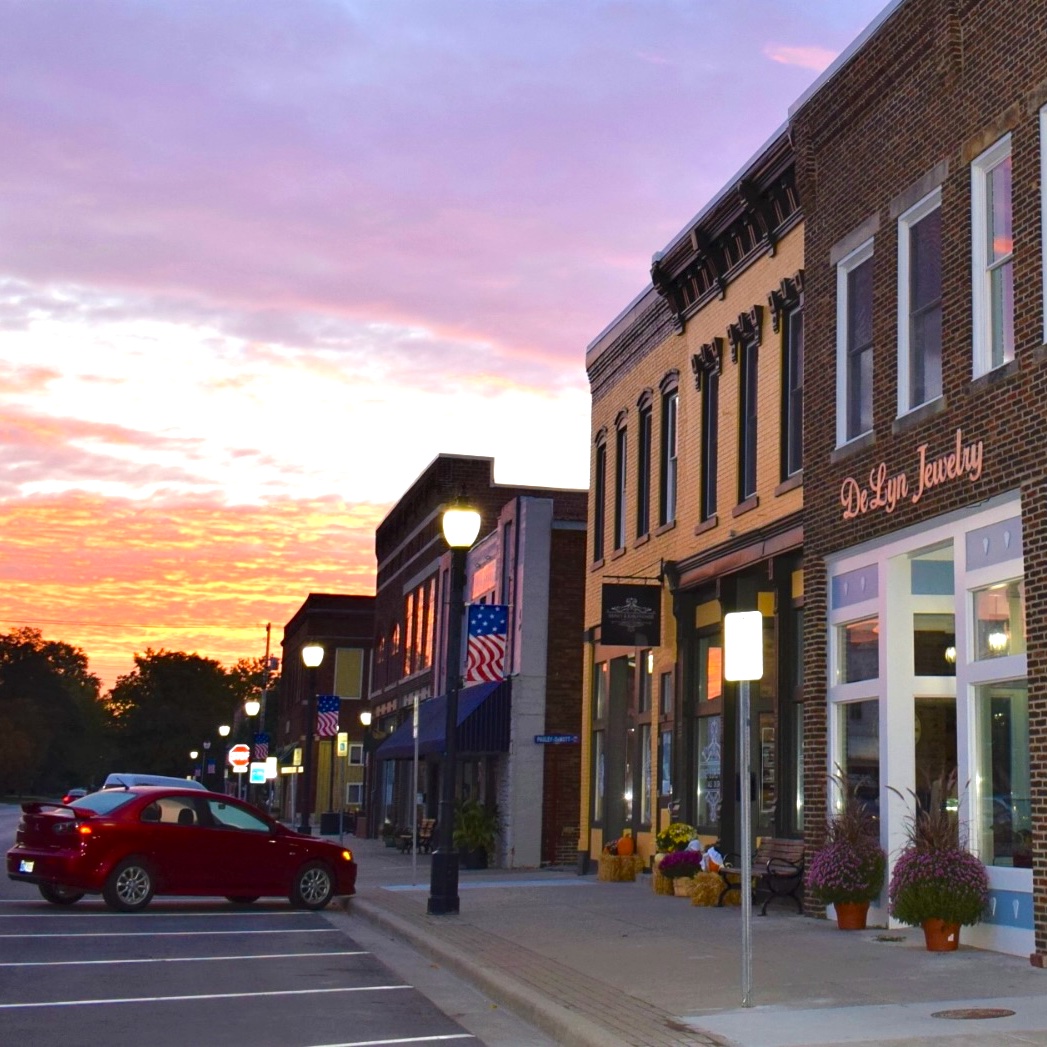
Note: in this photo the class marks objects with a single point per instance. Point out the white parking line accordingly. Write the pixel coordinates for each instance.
(169, 934)
(94, 914)
(182, 959)
(402, 1039)
(193, 999)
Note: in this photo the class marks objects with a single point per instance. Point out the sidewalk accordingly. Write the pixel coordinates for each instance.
(594, 963)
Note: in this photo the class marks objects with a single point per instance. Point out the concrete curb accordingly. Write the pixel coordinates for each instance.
(564, 1025)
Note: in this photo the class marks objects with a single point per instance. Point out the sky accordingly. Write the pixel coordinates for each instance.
(262, 260)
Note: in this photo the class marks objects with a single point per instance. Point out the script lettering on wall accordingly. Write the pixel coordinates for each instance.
(885, 490)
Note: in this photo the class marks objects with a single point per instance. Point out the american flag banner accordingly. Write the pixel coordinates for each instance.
(327, 706)
(261, 748)
(485, 650)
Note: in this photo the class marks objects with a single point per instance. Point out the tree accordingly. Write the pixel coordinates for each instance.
(169, 704)
(52, 718)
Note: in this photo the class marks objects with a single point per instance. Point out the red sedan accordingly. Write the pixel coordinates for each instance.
(129, 844)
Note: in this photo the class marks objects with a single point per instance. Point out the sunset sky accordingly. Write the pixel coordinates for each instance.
(262, 260)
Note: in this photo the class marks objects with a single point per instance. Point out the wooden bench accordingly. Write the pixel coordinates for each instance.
(777, 872)
(426, 831)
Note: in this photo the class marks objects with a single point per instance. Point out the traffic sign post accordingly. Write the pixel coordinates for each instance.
(240, 756)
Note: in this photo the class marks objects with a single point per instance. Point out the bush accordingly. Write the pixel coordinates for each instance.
(847, 872)
(681, 863)
(950, 884)
(676, 837)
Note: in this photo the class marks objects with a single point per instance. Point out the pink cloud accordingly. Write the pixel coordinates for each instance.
(816, 58)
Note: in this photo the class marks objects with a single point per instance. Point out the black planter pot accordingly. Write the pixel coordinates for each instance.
(476, 859)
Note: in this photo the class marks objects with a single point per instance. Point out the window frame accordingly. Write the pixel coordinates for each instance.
(748, 416)
(845, 352)
(645, 442)
(599, 499)
(792, 392)
(907, 223)
(982, 267)
(710, 396)
(669, 463)
(621, 478)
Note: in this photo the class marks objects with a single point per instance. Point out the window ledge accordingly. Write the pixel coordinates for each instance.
(789, 484)
(986, 381)
(853, 447)
(747, 506)
(707, 525)
(643, 539)
(918, 415)
(618, 554)
(596, 564)
(665, 527)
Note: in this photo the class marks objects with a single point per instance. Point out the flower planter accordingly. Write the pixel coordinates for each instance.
(941, 936)
(851, 916)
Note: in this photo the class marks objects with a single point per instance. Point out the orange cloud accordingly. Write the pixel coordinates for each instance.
(114, 577)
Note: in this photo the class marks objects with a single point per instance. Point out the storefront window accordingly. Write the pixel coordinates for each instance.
(860, 755)
(934, 644)
(598, 775)
(665, 763)
(859, 650)
(709, 761)
(665, 690)
(600, 691)
(798, 758)
(645, 774)
(999, 620)
(1003, 804)
(646, 676)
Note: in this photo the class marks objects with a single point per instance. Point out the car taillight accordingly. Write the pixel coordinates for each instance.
(84, 830)
(347, 855)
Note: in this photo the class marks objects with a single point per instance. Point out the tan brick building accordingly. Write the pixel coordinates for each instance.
(921, 156)
(695, 506)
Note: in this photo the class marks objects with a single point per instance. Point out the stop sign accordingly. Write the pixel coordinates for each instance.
(240, 756)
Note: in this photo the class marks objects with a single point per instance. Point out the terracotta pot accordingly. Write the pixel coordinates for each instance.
(851, 916)
(941, 936)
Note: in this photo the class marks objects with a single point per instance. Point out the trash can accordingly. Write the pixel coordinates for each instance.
(329, 823)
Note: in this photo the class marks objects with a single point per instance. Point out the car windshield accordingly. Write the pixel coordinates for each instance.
(103, 802)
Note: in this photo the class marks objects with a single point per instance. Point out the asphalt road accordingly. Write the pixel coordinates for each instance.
(191, 971)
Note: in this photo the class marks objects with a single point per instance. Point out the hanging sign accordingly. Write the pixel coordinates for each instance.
(631, 616)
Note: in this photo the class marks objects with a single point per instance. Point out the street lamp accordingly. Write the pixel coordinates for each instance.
(312, 656)
(461, 525)
(252, 707)
(365, 719)
(223, 732)
(193, 755)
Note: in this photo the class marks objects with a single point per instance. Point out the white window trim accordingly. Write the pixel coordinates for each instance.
(1043, 213)
(843, 269)
(981, 308)
(931, 202)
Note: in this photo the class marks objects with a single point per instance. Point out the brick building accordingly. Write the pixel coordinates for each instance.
(344, 627)
(695, 511)
(921, 156)
(530, 557)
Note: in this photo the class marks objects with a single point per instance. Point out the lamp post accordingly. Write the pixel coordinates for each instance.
(312, 656)
(223, 733)
(365, 797)
(743, 661)
(252, 707)
(203, 764)
(460, 526)
(193, 755)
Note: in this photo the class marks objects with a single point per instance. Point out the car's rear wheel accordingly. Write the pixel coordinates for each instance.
(313, 886)
(242, 899)
(58, 895)
(129, 887)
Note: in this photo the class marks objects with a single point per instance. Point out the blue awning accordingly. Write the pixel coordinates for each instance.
(483, 724)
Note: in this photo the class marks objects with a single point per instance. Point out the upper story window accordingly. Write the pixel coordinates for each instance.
(792, 393)
(854, 344)
(992, 244)
(710, 450)
(670, 409)
(599, 498)
(747, 411)
(643, 468)
(621, 462)
(920, 303)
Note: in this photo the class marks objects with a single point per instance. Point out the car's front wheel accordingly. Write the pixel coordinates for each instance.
(313, 886)
(58, 895)
(129, 887)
